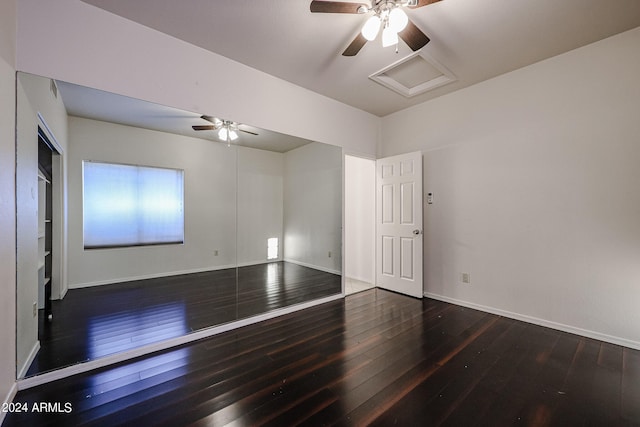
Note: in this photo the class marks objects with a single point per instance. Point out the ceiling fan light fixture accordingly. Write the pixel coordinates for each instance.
(371, 28)
(389, 37)
(223, 133)
(227, 133)
(398, 19)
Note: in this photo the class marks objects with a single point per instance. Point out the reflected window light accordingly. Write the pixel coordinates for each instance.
(272, 248)
(128, 205)
(135, 328)
(272, 276)
(172, 366)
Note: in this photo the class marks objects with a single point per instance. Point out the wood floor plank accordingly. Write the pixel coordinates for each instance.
(434, 400)
(375, 358)
(630, 400)
(133, 314)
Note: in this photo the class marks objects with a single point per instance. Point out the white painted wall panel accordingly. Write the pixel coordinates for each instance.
(313, 206)
(7, 199)
(27, 229)
(210, 202)
(211, 181)
(535, 181)
(260, 203)
(359, 222)
(33, 98)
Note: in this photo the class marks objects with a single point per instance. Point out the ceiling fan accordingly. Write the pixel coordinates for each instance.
(227, 130)
(386, 14)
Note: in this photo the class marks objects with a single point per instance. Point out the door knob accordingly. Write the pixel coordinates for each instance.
(416, 232)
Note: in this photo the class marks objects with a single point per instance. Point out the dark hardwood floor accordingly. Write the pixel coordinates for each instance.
(374, 358)
(93, 322)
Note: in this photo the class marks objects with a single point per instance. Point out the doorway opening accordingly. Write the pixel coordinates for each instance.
(48, 270)
(359, 223)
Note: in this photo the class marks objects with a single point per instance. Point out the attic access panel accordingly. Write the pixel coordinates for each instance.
(413, 75)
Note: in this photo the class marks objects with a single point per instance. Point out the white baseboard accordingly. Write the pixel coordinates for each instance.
(191, 271)
(8, 399)
(315, 267)
(147, 276)
(32, 355)
(79, 368)
(540, 322)
(250, 263)
(358, 279)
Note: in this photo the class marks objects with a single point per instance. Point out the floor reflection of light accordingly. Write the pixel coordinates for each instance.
(272, 276)
(121, 331)
(132, 378)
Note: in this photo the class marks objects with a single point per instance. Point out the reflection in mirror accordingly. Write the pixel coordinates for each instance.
(262, 225)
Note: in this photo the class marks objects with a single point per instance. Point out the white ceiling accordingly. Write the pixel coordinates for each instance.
(474, 39)
(95, 104)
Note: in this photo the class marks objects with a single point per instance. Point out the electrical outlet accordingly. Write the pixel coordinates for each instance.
(35, 309)
(215, 253)
(466, 278)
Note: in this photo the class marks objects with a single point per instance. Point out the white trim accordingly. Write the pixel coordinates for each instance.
(8, 399)
(343, 213)
(148, 276)
(359, 279)
(315, 267)
(447, 76)
(251, 263)
(32, 355)
(540, 322)
(191, 271)
(79, 368)
(50, 135)
(353, 153)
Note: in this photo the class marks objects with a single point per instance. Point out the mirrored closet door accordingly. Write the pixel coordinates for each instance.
(161, 223)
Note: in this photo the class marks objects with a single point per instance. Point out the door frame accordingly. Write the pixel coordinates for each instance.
(399, 232)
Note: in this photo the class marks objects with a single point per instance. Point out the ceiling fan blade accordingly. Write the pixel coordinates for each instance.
(423, 3)
(355, 46)
(203, 127)
(208, 118)
(248, 131)
(413, 36)
(318, 6)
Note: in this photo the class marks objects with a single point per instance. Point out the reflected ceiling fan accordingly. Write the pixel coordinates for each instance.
(227, 130)
(387, 15)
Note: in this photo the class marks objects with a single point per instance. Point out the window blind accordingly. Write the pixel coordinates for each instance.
(127, 205)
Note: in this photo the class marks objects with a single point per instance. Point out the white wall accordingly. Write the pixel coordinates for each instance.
(91, 47)
(27, 231)
(359, 222)
(313, 207)
(36, 98)
(33, 97)
(260, 203)
(7, 201)
(210, 202)
(535, 180)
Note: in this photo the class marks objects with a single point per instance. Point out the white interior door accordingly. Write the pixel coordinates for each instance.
(399, 224)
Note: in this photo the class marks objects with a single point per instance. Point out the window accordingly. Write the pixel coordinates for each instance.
(272, 248)
(126, 205)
